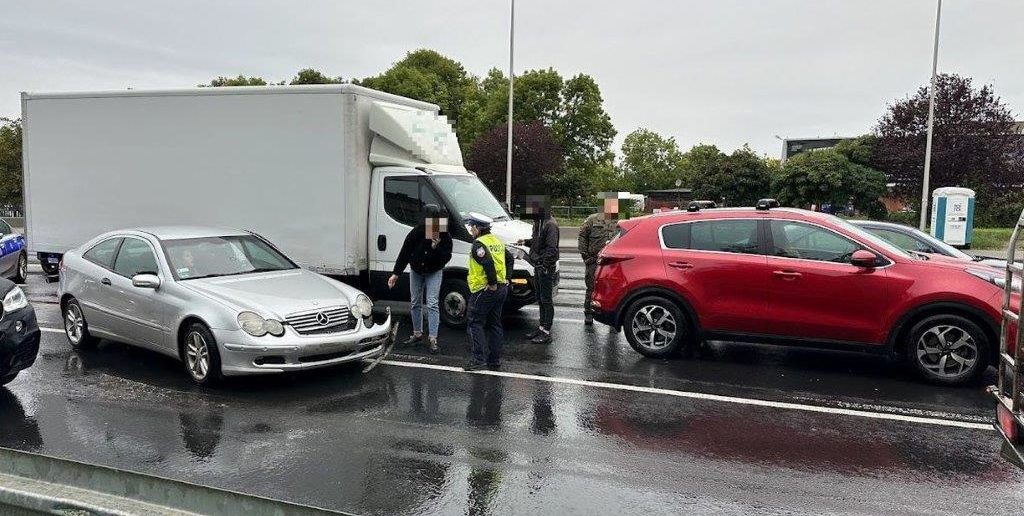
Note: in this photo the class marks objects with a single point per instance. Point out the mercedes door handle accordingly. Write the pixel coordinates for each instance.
(105, 281)
(680, 265)
(787, 275)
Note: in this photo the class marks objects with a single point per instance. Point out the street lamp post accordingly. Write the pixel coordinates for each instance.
(931, 122)
(511, 80)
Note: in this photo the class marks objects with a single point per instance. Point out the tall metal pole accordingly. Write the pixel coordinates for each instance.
(931, 122)
(511, 80)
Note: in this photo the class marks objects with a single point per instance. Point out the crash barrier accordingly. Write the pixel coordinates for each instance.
(38, 484)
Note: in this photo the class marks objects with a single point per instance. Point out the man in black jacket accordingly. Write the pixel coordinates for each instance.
(426, 250)
(543, 246)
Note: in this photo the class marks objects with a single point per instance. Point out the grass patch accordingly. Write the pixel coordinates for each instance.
(991, 238)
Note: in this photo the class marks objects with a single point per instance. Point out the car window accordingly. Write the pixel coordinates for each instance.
(903, 240)
(731, 236)
(262, 256)
(798, 240)
(135, 257)
(676, 236)
(404, 198)
(5, 228)
(103, 253)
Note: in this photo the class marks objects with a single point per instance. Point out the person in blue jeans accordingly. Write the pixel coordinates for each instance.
(426, 250)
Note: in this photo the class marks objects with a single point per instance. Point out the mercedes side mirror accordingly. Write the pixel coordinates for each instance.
(865, 259)
(146, 281)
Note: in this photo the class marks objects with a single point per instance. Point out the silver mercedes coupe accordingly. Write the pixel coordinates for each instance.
(223, 302)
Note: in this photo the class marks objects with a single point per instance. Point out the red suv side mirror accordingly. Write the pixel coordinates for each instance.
(863, 258)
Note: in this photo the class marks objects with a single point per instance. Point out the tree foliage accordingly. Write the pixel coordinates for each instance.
(431, 77)
(650, 162)
(536, 159)
(827, 176)
(311, 76)
(10, 162)
(737, 179)
(974, 142)
(241, 80)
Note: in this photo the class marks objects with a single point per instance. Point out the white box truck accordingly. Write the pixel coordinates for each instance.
(336, 175)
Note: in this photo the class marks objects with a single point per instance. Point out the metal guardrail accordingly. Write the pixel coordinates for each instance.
(38, 484)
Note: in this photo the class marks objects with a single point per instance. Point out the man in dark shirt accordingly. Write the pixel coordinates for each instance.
(543, 246)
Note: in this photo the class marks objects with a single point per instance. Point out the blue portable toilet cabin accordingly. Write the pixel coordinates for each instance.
(953, 215)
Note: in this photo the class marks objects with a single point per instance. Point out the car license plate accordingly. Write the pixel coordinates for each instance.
(52, 259)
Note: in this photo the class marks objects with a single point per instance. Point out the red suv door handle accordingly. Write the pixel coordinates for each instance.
(787, 275)
(680, 265)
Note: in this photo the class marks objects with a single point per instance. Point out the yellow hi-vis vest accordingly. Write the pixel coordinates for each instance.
(477, 278)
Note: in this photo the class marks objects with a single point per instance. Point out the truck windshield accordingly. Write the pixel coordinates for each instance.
(193, 258)
(467, 194)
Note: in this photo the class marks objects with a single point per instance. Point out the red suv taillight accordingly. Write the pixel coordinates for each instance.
(1007, 423)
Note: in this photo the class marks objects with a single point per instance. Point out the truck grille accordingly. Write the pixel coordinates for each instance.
(318, 322)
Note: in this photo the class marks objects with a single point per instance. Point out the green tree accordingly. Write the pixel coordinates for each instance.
(241, 80)
(10, 163)
(827, 176)
(431, 77)
(738, 179)
(859, 150)
(650, 161)
(584, 129)
(311, 76)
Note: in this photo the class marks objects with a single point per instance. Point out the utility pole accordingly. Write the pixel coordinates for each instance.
(511, 80)
(931, 122)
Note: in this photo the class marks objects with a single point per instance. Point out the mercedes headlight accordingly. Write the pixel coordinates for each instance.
(256, 325)
(363, 307)
(15, 300)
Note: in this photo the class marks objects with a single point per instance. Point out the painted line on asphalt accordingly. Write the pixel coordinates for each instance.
(702, 396)
(681, 394)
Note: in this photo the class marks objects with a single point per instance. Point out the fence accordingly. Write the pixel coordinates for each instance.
(574, 211)
(11, 211)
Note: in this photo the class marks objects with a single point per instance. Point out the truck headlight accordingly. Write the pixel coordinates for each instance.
(15, 300)
(363, 307)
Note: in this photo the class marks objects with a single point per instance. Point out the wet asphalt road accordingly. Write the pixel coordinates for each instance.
(416, 436)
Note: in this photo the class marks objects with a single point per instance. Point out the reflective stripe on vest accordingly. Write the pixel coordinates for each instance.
(477, 278)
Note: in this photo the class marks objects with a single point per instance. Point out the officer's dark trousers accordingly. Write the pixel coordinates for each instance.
(484, 325)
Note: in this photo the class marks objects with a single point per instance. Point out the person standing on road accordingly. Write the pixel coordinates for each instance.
(543, 246)
(595, 233)
(426, 250)
(488, 287)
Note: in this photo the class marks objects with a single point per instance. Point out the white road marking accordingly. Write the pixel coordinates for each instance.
(702, 396)
(682, 394)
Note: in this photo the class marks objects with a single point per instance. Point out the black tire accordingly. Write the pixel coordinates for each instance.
(939, 345)
(454, 302)
(49, 268)
(4, 380)
(21, 273)
(651, 342)
(81, 339)
(192, 356)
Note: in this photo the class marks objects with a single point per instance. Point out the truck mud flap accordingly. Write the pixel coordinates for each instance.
(388, 346)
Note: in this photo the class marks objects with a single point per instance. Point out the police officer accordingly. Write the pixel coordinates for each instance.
(488, 287)
(595, 233)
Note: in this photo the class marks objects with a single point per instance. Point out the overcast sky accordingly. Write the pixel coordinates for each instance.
(726, 72)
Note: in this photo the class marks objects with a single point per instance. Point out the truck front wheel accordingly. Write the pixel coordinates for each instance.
(454, 302)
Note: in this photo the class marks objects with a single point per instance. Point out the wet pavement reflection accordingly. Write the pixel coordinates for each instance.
(409, 440)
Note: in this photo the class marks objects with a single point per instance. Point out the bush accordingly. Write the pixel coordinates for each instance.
(999, 211)
(909, 218)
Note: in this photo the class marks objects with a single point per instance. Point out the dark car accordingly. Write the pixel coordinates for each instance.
(19, 333)
(915, 240)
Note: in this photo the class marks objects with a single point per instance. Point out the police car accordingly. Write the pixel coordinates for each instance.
(19, 332)
(13, 254)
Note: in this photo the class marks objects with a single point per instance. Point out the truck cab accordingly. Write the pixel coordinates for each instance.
(397, 199)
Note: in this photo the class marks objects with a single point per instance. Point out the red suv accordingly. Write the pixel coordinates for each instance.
(795, 277)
